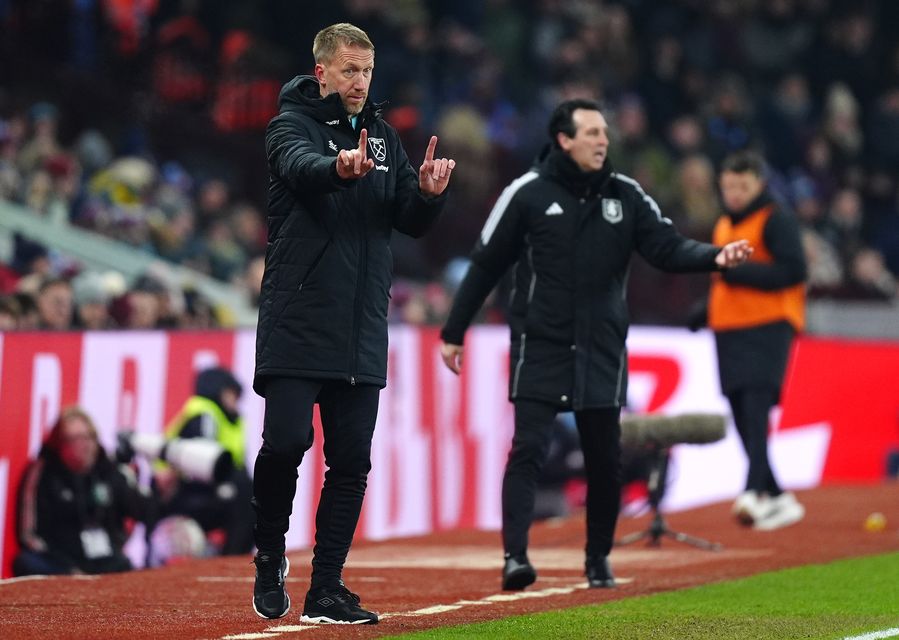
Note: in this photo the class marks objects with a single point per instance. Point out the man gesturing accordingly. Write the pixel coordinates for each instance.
(340, 184)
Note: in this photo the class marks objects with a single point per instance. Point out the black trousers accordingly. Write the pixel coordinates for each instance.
(600, 434)
(751, 407)
(348, 419)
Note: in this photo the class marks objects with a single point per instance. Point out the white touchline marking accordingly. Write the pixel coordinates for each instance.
(225, 579)
(459, 604)
(876, 635)
(439, 608)
(23, 579)
(43, 577)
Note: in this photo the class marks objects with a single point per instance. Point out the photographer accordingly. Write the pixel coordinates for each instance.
(212, 413)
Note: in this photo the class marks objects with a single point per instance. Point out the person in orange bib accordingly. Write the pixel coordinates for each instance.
(755, 310)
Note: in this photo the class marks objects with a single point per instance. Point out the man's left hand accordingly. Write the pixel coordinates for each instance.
(434, 175)
(733, 254)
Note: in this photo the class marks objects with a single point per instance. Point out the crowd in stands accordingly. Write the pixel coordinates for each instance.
(142, 120)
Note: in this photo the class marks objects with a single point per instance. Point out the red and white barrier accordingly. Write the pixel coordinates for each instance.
(441, 441)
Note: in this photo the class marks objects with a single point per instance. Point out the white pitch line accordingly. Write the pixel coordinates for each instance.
(876, 635)
(43, 577)
(443, 608)
(439, 608)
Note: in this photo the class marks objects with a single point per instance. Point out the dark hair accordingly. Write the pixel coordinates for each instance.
(744, 162)
(561, 119)
(52, 281)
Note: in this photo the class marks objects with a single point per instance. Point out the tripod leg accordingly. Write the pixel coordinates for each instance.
(632, 537)
(686, 538)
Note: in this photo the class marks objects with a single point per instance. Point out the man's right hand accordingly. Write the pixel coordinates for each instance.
(452, 356)
(355, 163)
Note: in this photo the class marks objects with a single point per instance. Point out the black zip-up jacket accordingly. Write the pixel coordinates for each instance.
(323, 306)
(572, 234)
(57, 505)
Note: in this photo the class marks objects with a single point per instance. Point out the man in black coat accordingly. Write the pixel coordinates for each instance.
(570, 225)
(340, 184)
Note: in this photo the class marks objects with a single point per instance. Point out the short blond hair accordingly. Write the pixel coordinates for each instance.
(329, 39)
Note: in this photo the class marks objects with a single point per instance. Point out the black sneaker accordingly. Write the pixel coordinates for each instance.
(335, 605)
(599, 573)
(270, 599)
(517, 572)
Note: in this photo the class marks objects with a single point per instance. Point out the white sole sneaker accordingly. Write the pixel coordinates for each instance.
(327, 620)
(750, 508)
(287, 610)
(786, 511)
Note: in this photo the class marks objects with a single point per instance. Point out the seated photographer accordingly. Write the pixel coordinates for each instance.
(74, 504)
(212, 413)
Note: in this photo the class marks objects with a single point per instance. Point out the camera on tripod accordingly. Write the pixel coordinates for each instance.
(197, 459)
(657, 434)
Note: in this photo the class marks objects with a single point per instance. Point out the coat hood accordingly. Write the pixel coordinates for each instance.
(302, 94)
(558, 166)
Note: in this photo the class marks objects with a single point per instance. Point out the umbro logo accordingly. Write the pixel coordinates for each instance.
(332, 146)
(325, 602)
(333, 122)
(554, 209)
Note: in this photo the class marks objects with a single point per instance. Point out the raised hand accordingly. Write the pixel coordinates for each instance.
(434, 175)
(355, 163)
(733, 254)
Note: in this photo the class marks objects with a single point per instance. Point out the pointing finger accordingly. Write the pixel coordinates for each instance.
(363, 141)
(432, 145)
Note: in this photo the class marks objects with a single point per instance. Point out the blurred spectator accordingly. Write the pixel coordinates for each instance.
(43, 142)
(825, 270)
(55, 305)
(9, 313)
(870, 277)
(29, 319)
(91, 303)
(74, 504)
(698, 196)
(639, 155)
(729, 124)
(786, 121)
(29, 257)
(142, 309)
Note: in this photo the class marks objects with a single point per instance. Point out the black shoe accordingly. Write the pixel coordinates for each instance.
(599, 573)
(517, 573)
(270, 599)
(335, 605)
